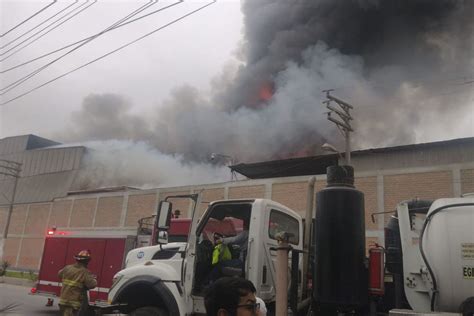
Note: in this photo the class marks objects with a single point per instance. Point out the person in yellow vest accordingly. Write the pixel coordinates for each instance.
(220, 254)
(221, 251)
(76, 280)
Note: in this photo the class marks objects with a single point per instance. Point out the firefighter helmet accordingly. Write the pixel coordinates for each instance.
(83, 255)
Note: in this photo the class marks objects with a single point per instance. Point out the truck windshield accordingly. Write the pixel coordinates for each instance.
(225, 219)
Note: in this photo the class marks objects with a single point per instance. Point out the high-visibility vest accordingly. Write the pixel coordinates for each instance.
(220, 253)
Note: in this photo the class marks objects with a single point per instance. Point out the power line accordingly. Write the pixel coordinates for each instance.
(416, 81)
(46, 27)
(109, 53)
(18, 37)
(85, 39)
(32, 16)
(467, 82)
(36, 71)
(75, 14)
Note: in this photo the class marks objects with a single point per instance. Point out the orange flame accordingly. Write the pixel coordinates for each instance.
(266, 91)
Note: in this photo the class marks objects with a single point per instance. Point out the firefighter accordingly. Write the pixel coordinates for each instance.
(76, 280)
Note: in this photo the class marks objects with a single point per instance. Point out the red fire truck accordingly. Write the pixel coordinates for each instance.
(108, 248)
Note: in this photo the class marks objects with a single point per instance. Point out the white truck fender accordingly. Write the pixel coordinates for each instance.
(161, 290)
(137, 283)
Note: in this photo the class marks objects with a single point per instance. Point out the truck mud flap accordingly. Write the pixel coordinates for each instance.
(99, 310)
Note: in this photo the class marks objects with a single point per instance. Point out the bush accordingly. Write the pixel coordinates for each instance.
(3, 267)
(32, 275)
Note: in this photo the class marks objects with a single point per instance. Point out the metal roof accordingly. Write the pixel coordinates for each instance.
(438, 144)
(14, 144)
(317, 164)
(39, 188)
(286, 167)
(47, 160)
(46, 172)
(122, 188)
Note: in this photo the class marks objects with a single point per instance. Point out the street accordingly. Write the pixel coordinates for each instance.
(25, 304)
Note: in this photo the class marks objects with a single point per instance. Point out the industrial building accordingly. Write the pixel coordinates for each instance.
(48, 196)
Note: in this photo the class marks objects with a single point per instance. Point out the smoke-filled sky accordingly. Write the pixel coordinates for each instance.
(246, 79)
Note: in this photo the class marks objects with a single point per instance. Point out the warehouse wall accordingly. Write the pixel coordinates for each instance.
(121, 210)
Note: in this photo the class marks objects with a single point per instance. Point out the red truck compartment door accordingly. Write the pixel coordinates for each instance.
(96, 248)
(54, 259)
(113, 258)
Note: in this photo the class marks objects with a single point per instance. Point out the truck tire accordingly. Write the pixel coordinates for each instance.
(149, 311)
(467, 307)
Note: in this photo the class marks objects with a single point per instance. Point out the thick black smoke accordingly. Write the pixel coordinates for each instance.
(421, 38)
(404, 65)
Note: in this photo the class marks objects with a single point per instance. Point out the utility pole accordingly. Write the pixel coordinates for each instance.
(9, 168)
(343, 120)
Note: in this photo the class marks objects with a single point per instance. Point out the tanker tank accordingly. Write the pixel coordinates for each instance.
(448, 247)
(339, 269)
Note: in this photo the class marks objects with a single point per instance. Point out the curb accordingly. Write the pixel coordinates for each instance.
(17, 281)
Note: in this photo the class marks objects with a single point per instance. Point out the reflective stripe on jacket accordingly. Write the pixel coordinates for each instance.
(76, 280)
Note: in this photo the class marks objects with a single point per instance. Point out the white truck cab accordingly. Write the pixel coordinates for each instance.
(169, 279)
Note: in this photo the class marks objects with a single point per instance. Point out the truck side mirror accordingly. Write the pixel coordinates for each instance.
(162, 237)
(163, 219)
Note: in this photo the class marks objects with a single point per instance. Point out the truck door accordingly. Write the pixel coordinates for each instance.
(54, 259)
(190, 256)
(276, 220)
(112, 263)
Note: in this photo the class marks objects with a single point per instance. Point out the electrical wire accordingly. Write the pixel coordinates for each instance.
(85, 39)
(417, 81)
(38, 70)
(18, 37)
(75, 14)
(467, 82)
(110, 53)
(45, 28)
(32, 16)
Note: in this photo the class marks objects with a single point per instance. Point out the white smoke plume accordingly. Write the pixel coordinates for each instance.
(404, 65)
(136, 164)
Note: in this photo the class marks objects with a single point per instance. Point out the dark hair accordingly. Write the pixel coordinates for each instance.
(225, 293)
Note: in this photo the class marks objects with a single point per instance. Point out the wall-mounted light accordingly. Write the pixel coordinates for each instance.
(51, 231)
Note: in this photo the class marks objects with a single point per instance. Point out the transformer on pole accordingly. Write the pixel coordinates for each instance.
(343, 120)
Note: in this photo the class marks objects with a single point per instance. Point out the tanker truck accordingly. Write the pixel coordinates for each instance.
(425, 266)
(429, 254)
(429, 248)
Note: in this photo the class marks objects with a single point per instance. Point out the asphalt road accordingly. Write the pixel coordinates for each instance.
(25, 304)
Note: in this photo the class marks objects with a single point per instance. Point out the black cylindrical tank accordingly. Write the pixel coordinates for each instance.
(340, 269)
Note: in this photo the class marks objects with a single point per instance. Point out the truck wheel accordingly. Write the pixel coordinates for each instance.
(149, 311)
(467, 307)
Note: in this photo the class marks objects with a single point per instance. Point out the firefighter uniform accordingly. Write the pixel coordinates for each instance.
(76, 280)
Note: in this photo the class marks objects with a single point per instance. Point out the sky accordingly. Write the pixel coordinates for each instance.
(192, 51)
